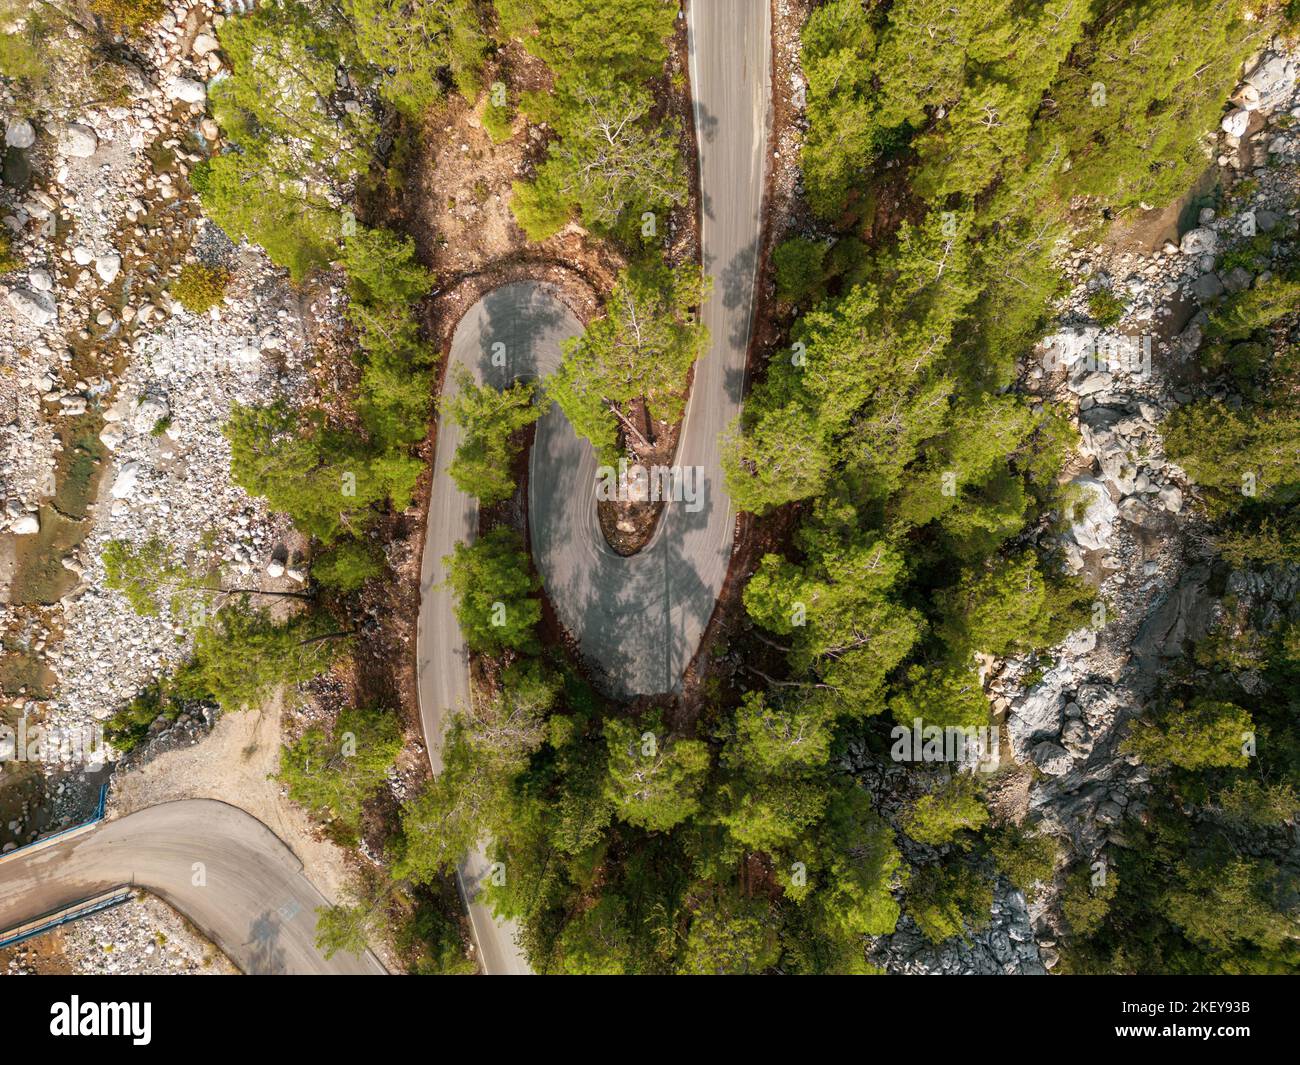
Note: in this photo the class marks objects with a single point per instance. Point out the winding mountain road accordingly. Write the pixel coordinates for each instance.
(219, 866)
(638, 620)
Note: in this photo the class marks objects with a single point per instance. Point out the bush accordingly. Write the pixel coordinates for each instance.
(8, 260)
(949, 900)
(129, 726)
(799, 268)
(495, 592)
(498, 122)
(200, 288)
(539, 208)
(125, 16)
(937, 818)
(1023, 859)
(347, 566)
(334, 774)
(1105, 307)
(1255, 308)
(1085, 902)
(1208, 733)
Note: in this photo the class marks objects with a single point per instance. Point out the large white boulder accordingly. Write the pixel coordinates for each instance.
(187, 90)
(27, 525)
(1269, 84)
(125, 484)
(1200, 241)
(78, 141)
(1235, 122)
(1066, 349)
(19, 133)
(149, 412)
(1092, 530)
(38, 308)
(108, 267)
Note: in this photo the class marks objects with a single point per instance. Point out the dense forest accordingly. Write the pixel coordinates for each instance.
(925, 495)
(951, 151)
(910, 490)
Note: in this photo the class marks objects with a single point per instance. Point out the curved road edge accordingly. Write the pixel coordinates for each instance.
(219, 866)
(730, 57)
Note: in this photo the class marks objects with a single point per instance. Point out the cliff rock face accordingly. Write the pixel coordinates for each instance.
(1133, 533)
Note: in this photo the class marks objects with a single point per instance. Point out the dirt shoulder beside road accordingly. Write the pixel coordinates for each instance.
(235, 764)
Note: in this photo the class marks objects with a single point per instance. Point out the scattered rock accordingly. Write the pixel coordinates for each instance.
(108, 267)
(19, 133)
(125, 485)
(1235, 122)
(1200, 241)
(38, 308)
(187, 90)
(78, 141)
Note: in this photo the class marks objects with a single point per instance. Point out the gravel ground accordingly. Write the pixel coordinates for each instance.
(143, 937)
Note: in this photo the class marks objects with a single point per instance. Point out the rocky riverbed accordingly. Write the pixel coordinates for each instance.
(112, 399)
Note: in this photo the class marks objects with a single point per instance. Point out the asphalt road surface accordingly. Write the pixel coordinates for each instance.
(222, 868)
(638, 620)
